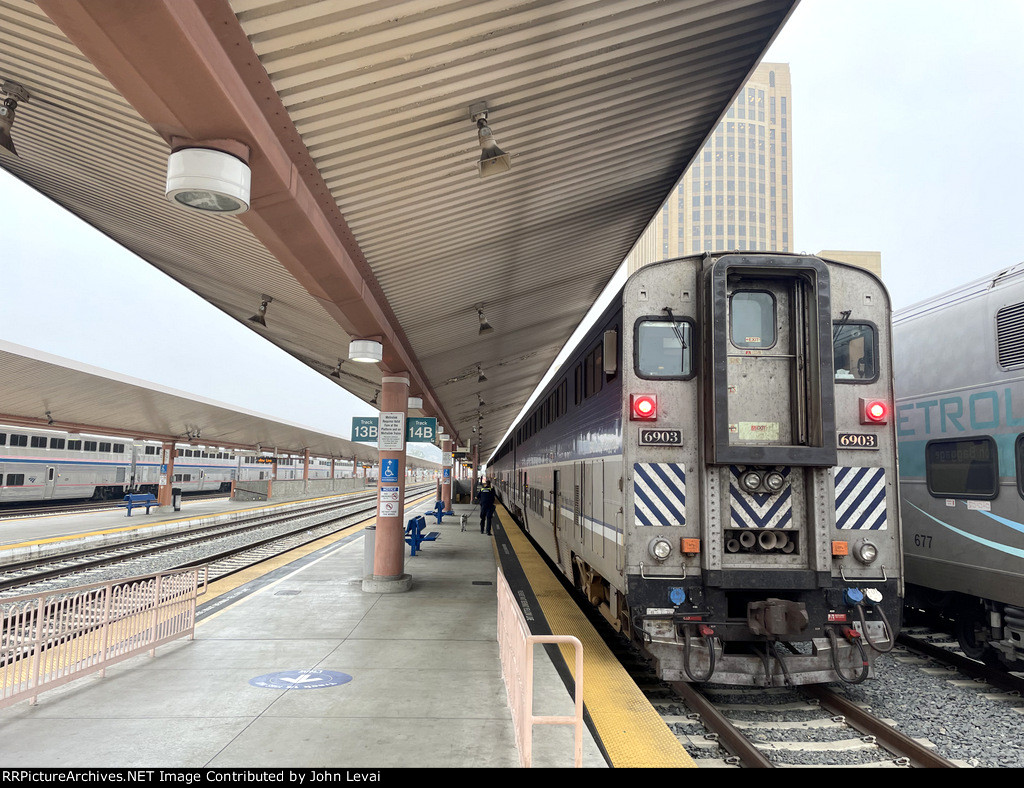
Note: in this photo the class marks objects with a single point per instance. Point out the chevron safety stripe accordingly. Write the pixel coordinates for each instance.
(659, 493)
(860, 499)
(759, 510)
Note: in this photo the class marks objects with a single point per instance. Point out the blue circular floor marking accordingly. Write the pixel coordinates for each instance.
(301, 679)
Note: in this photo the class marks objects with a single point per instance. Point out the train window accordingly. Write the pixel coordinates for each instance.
(105, 447)
(855, 352)
(663, 348)
(74, 445)
(118, 448)
(15, 480)
(752, 317)
(38, 442)
(3, 438)
(19, 440)
(90, 446)
(962, 468)
(56, 443)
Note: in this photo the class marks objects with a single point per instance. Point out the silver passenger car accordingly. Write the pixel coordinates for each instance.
(715, 469)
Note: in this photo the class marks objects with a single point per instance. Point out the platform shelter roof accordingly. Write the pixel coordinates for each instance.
(369, 218)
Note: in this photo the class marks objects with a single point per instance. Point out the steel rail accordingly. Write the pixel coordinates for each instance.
(888, 737)
(729, 737)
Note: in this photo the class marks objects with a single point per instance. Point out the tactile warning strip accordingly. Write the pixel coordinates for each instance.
(629, 728)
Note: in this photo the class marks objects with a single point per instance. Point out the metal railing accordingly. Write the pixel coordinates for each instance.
(515, 645)
(52, 637)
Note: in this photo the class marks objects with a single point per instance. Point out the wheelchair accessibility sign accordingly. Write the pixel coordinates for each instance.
(389, 470)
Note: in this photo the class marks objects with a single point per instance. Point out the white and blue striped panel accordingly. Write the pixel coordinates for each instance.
(759, 510)
(860, 499)
(659, 493)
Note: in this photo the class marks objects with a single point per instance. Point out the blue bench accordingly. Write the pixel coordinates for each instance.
(138, 500)
(414, 535)
(438, 511)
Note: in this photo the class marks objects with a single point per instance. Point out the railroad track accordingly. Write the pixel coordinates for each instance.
(767, 728)
(226, 548)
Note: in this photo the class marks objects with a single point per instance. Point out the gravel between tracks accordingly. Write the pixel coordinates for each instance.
(964, 725)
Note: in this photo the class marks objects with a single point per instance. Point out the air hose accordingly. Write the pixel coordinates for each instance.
(708, 634)
(885, 626)
(854, 638)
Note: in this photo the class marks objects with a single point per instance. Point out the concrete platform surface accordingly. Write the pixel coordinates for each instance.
(419, 678)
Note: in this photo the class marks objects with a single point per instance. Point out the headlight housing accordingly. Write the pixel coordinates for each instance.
(660, 548)
(865, 551)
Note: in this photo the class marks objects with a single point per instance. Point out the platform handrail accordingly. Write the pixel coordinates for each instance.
(515, 646)
(52, 637)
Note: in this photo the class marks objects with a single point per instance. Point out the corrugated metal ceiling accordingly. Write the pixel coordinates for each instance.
(601, 105)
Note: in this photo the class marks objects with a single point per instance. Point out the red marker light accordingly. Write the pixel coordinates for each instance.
(873, 411)
(643, 407)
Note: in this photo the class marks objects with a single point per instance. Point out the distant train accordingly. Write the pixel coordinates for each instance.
(715, 469)
(960, 427)
(41, 464)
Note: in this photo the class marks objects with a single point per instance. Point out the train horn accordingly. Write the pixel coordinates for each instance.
(767, 540)
(747, 539)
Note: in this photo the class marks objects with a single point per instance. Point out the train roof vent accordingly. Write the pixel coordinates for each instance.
(1010, 335)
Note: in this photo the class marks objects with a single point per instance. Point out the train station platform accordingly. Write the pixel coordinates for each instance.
(294, 665)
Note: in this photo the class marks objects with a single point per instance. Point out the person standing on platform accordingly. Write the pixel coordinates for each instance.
(485, 497)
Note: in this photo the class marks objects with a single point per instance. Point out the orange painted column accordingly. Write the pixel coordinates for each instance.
(446, 473)
(163, 494)
(389, 548)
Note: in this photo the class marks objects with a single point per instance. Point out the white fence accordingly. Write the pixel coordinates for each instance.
(50, 638)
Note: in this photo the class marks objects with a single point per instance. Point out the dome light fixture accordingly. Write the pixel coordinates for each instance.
(210, 177)
(367, 351)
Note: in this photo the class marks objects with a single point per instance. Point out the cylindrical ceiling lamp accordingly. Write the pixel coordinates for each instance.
(367, 351)
(212, 181)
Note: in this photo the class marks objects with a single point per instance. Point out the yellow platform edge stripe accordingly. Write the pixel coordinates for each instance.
(632, 732)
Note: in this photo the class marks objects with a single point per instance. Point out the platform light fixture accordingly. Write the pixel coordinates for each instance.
(485, 327)
(209, 176)
(366, 351)
(260, 318)
(493, 160)
(414, 403)
(13, 93)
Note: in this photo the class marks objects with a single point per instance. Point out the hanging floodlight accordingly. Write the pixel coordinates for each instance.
(13, 93)
(493, 160)
(260, 318)
(367, 351)
(485, 327)
(209, 180)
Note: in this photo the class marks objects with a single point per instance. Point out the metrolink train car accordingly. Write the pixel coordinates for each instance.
(715, 469)
(960, 426)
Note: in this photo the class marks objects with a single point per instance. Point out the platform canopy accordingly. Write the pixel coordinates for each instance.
(368, 216)
(40, 389)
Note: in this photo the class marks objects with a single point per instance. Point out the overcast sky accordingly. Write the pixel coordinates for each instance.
(896, 105)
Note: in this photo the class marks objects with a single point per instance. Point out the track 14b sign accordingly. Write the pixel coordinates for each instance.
(365, 429)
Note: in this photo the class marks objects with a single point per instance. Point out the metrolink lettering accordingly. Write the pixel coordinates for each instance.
(958, 413)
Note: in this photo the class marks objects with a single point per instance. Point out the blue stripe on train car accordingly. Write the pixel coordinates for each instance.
(659, 493)
(759, 510)
(860, 499)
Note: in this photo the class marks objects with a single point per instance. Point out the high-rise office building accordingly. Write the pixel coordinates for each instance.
(738, 193)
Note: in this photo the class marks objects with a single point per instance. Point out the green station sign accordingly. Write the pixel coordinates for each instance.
(417, 429)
